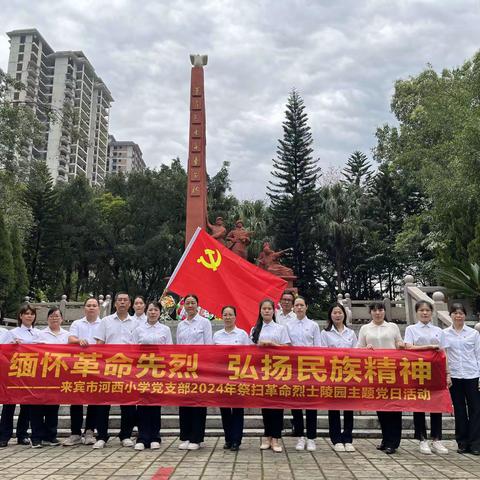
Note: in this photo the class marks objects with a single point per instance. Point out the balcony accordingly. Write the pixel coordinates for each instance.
(61, 169)
(64, 149)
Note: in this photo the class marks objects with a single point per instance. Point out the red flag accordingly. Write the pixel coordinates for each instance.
(220, 277)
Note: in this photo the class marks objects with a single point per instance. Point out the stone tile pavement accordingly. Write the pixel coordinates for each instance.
(213, 463)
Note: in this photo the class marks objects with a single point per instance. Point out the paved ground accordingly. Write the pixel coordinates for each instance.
(212, 462)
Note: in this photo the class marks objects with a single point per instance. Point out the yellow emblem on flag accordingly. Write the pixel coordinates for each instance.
(211, 263)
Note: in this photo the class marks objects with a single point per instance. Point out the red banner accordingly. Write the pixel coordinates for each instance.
(220, 277)
(237, 376)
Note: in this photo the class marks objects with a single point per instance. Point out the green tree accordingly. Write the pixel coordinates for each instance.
(7, 272)
(294, 194)
(19, 288)
(357, 172)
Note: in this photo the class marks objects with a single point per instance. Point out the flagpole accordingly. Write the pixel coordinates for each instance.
(185, 253)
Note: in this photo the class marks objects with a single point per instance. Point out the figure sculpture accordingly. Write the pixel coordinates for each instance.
(268, 259)
(219, 232)
(238, 239)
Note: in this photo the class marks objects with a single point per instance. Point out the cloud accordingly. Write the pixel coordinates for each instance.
(343, 58)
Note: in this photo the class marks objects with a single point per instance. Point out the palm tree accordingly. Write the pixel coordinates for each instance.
(462, 281)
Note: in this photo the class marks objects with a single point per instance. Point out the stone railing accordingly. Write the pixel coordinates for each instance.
(357, 310)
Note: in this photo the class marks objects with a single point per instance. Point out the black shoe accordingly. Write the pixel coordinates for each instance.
(475, 452)
(381, 446)
(24, 441)
(227, 446)
(51, 443)
(3, 443)
(390, 450)
(235, 447)
(462, 450)
(37, 445)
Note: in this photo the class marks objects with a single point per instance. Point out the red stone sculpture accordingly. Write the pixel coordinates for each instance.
(218, 230)
(268, 259)
(238, 239)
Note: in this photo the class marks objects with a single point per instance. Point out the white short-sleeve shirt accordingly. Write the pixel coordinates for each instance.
(47, 336)
(113, 330)
(156, 334)
(273, 332)
(304, 332)
(424, 334)
(463, 352)
(3, 335)
(197, 331)
(335, 339)
(283, 319)
(85, 330)
(385, 335)
(26, 335)
(237, 336)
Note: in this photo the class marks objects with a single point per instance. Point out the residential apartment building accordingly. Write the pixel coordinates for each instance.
(124, 157)
(71, 102)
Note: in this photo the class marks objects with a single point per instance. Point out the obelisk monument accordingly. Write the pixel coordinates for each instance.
(197, 170)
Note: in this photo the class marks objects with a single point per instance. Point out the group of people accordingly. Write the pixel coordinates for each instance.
(287, 326)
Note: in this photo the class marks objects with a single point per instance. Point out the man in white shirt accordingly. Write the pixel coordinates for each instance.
(82, 332)
(116, 329)
(285, 314)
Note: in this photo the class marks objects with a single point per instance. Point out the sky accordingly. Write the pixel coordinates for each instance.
(343, 58)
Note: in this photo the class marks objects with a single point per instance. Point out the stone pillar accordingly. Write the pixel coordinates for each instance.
(197, 171)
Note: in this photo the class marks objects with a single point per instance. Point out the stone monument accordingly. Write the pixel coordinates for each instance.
(197, 170)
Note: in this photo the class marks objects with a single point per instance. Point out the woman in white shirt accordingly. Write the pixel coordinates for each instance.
(152, 332)
(194, 330)
(232, 418)
(463, 352)
(139, 309)
(44, 418)
(303, 332)
(382, 334)
(25, 332)
(423, 336)
(267, 333)
(338, 335)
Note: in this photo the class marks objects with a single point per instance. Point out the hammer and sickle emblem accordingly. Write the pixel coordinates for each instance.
(211, 263)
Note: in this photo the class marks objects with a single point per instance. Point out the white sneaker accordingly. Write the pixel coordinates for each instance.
(154, 446)
(439, 447)
(311, 445)
(339, 447)
(139, 446)
(349, 447)
(193, 446)
(99, 444)
(425, 447)
(72, 440)
(184, 445)
(127, 442)
(89, 439)
(300, 444)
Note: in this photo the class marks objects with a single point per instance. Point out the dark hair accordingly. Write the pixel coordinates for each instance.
(457, 306)
(140, 297)
(122, 293)
(53, 310)
(230, 306)
(91, 298)
(24, 309)
(258, 326)
(190, 295)
(299, 297)
(423, 302)
(288, 292)
(377, 305)
(154, 303)
(329, 315)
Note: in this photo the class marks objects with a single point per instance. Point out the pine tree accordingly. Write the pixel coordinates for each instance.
(20, 279)
(357, 172)
(294, 194)
(6, 264)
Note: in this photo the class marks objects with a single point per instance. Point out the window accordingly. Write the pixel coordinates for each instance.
(20, 57)
(18, 76)
(22, 39)
(16, 96)
(19, 66)
(22, 48)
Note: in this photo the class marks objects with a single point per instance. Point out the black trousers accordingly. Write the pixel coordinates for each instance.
(232, 422)
(44, 420)
(6, 422)
(391, 425)
(272, 422)
(335, 426)
(466, 407)
(421, 426)
(127, 420)
(192, 423)
(310, 420)
(76, 418)
(149, 424)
